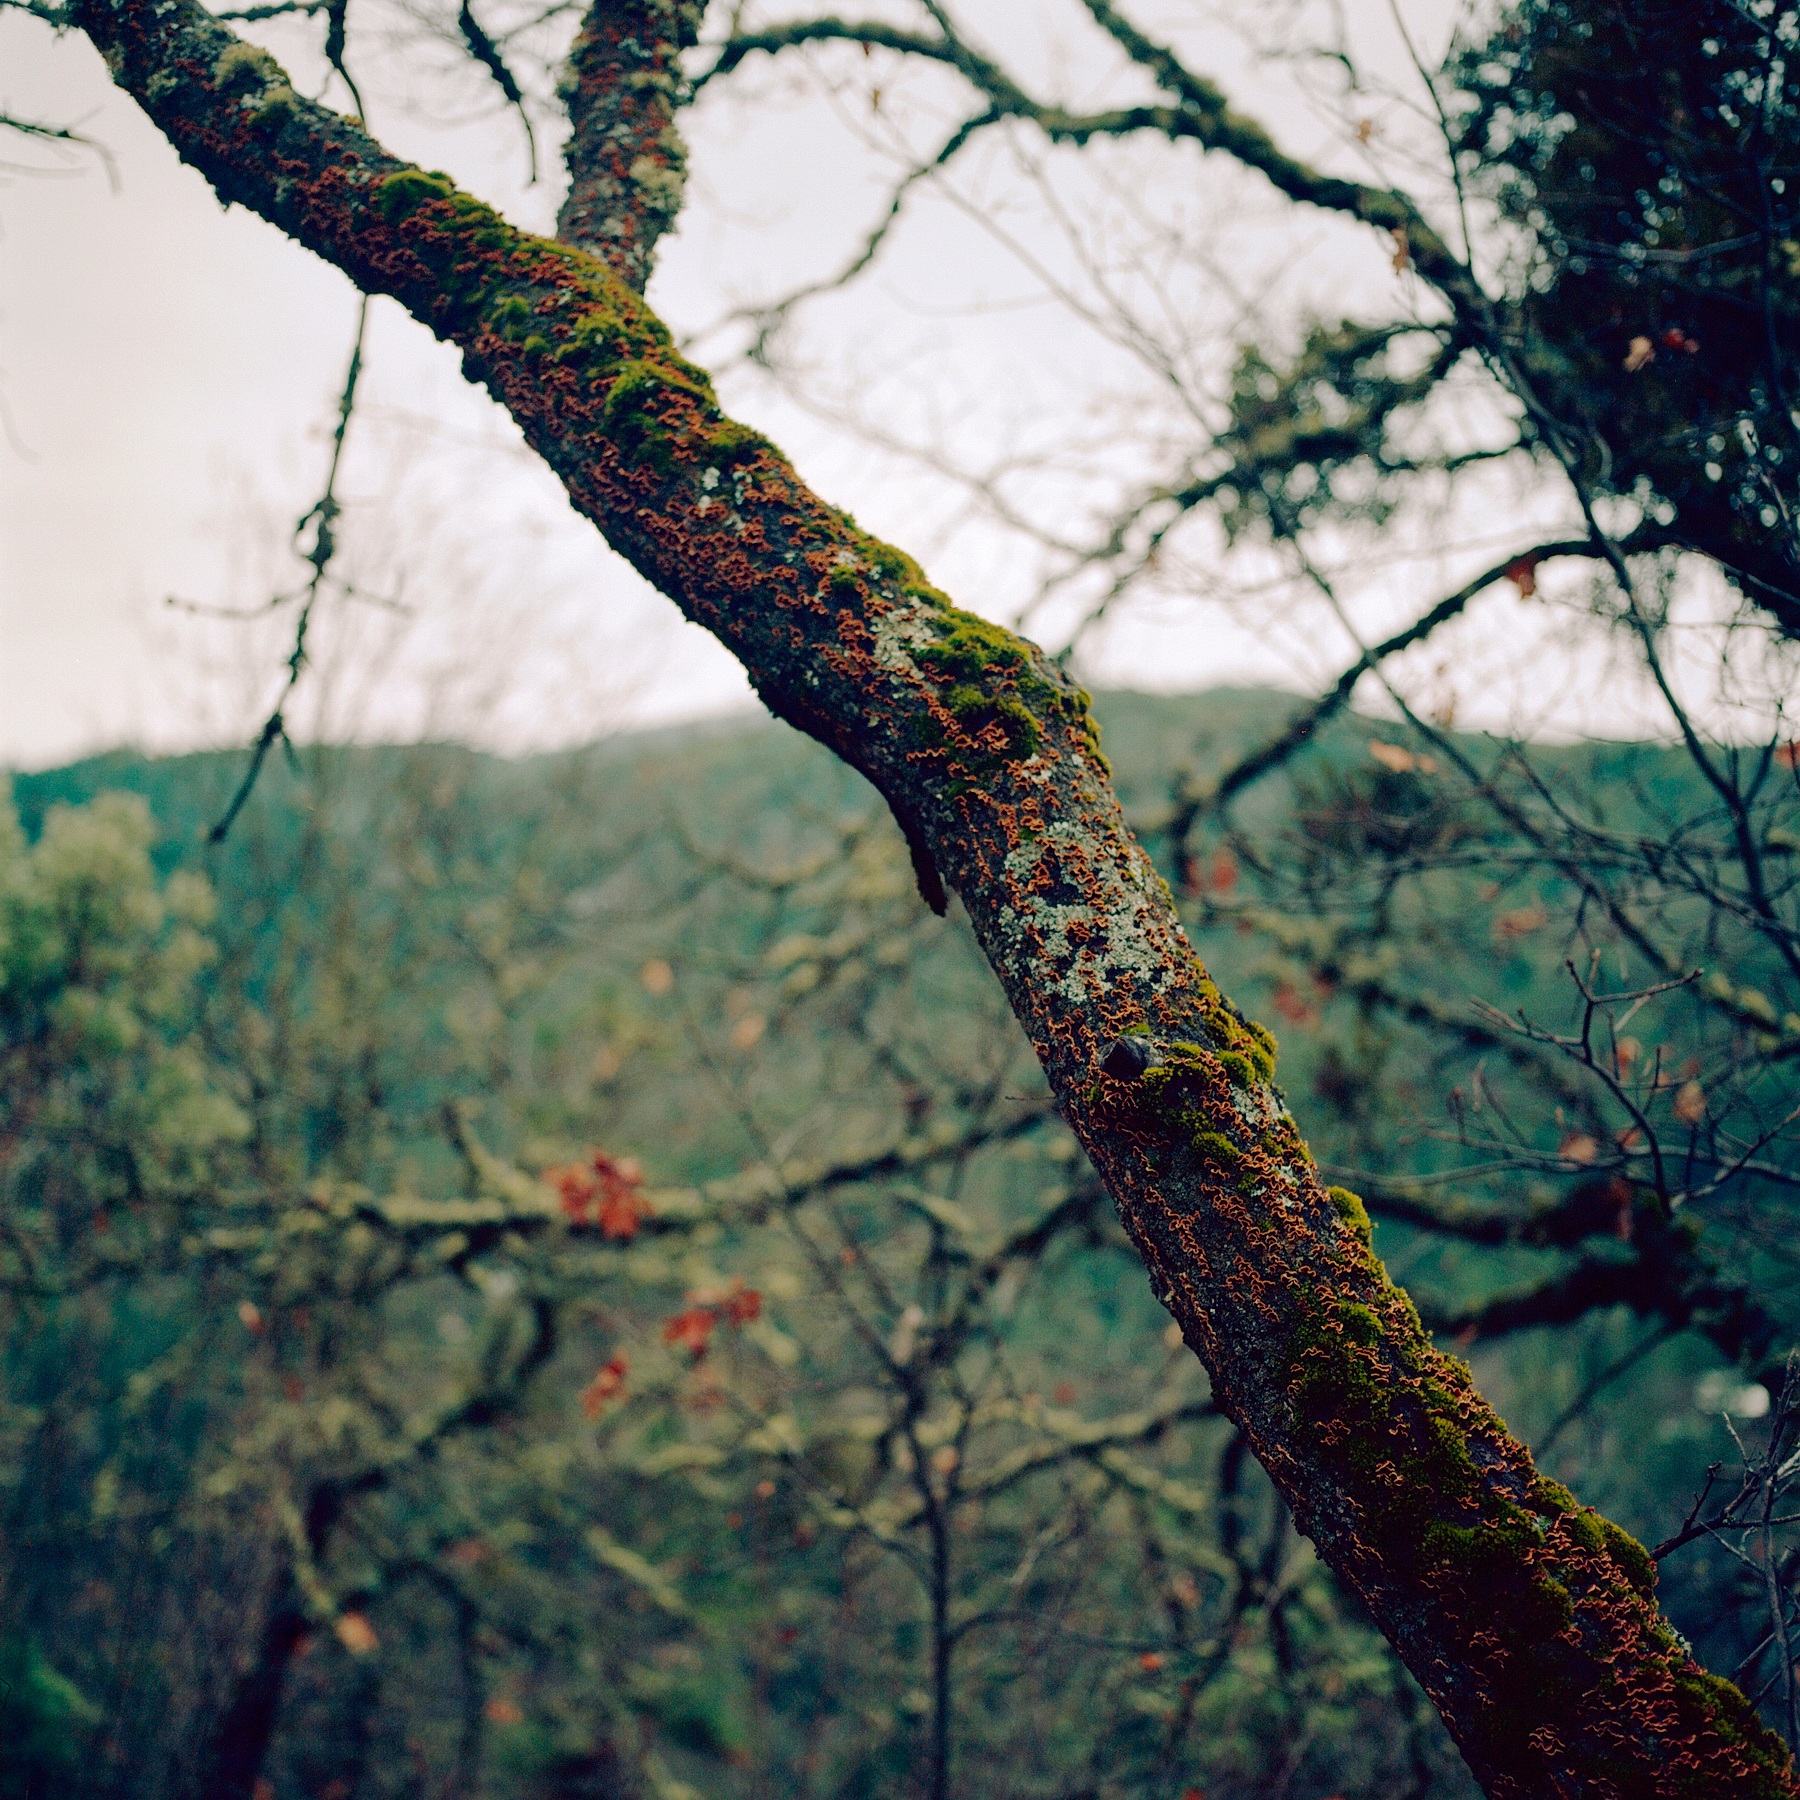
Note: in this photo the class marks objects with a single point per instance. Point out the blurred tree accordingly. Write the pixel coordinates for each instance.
(821, 1472)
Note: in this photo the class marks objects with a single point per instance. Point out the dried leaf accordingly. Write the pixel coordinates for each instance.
(1690, 1103)
(1578, 1147)
(1521, 922)
(1294, 1007)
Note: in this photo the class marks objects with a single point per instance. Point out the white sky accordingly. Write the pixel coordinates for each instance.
(169, 373)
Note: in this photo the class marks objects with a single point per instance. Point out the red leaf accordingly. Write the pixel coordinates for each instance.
(607, 1385)
(575, 1188)
(692, 1329)
(605, 1192)
(1521, 922)
(741, 1304)
(1523, 575)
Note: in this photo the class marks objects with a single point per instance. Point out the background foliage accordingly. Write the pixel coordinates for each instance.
(365, 1435)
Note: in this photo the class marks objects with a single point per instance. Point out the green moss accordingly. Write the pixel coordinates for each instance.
(1631, 1556)
(1486, 1550)
(892, 564)
(1550, 1498)
(1232, 1031)
(1339, 1378)
(400, 196)
(1215, 1145)
(1167, 1092)
(1091, 731)
(728, 441)
(1705, 1701)
(988, 678)
(277, 103)
(1350, 1209)
(589, 336)
(1583, 1525)
(1239, 1068)
(462, 240)
(1548, 1610)
(971, 648)
(629, 415)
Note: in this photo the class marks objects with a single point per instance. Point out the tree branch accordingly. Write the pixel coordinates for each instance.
(627, 163)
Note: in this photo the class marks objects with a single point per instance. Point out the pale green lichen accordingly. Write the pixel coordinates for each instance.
(244, 65)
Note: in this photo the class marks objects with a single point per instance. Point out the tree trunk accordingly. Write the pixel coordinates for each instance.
(240, 1744)
(1528, 1619)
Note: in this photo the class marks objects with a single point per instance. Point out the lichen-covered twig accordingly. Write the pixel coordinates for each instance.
(626, 162)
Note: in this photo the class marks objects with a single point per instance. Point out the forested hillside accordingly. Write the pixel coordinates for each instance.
(563, 1278)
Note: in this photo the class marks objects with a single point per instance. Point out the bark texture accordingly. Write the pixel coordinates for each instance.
(1530, 1621)
(627, 165)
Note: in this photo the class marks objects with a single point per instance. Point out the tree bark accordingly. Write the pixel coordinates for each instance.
(1529, 1620)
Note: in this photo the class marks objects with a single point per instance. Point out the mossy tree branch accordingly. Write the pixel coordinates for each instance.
(627, 165)
(1530, 1622)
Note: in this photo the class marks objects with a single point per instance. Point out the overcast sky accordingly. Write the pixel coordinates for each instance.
(169, 373)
